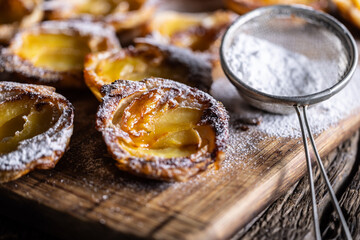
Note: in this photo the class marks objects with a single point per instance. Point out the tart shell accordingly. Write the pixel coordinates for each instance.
(157, 167)
(12, 66)
(44, 150)
(197, 31)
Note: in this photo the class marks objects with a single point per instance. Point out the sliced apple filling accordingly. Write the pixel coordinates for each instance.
(100, 7)
(53, 52)
(147, 60)
(56, 52)
(136, 69)
(198, 32)
(24, 119)
(162, 129)
(156, 124)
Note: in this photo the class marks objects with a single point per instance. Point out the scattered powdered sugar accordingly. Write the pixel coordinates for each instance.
(272, 69)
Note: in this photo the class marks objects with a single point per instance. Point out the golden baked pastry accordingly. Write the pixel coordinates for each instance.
(199, 32)
(17, 14)
(53, 52)
(35, 128)
(128, 17)
(350, 10)
(162, 129)
(244, 6)
(147, 59)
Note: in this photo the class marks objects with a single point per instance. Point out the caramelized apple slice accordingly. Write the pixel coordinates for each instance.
(128, 17)
(53, 52)
(199, 32)
(350, 10)
(17, 14)
(244, 6)
(35, 128)
(147, 59)
(162, 129)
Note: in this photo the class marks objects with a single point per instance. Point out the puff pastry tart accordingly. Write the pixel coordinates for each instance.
(162, 129)
(244, 6)
(16, 14)
(350, 10)
(199, 32)
(53, 52)
(35, 128)
(128, 17)
(147, 59)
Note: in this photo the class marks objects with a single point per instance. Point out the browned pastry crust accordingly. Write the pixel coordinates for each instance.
(128, 17)
(18, 14)
(147, 59)
(150, 127)
(36, 125)
(197, 31)
(52, 53)
(244, 6)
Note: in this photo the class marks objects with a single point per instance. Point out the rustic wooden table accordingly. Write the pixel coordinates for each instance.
(287, 218)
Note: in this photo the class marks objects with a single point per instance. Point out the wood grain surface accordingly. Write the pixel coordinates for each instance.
(290, 217)
(86, 196)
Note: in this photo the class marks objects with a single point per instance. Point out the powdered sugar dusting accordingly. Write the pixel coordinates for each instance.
(275, 70)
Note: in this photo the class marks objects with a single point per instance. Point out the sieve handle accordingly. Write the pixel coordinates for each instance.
(305, 124)
(311, 180)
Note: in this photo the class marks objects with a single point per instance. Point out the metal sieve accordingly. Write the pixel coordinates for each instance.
(315, 35)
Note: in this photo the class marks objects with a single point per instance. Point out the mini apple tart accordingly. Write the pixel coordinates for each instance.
(199, 32)
(17, 14)
(123, 15)
(147, 59)
(350, 10)
(162, 129)
(53, 52)
(244, 6)
(35, 128)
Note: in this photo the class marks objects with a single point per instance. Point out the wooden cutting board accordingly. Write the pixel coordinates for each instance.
(86, 196)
